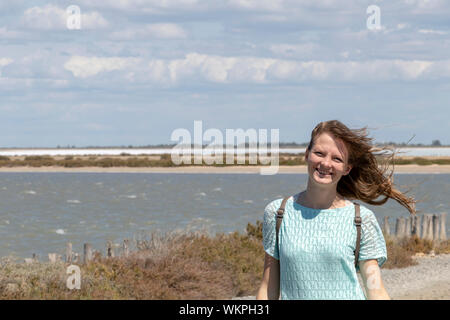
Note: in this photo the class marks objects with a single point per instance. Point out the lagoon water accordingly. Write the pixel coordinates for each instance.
(40, 212)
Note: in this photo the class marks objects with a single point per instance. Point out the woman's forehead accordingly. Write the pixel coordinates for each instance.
(331, 143)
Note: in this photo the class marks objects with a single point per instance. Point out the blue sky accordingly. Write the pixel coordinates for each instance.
(137, 70)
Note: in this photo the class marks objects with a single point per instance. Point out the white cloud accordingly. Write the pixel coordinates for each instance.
(147, 6)
(266, 5)
(431, 31)
(216, 68)
(84, 67)
(426, 4)
(378, 70)
(169, 6)
(5, 61)
(231, 70)
(262, 70)
(53, 17)
(196, 67)
(401, 26)
(157, 30)
(287, 5)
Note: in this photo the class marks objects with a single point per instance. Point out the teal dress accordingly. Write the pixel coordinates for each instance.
(316, 249)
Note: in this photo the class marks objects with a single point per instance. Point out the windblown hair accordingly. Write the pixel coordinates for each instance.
(366, 180)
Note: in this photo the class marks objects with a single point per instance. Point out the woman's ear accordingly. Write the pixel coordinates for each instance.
(349, 168)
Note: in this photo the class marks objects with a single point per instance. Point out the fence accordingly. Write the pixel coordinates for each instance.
(427, 226)
(88, 253)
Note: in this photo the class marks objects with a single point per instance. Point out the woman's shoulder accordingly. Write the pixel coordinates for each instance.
(275, 204)
(270, 211)
(365, 212)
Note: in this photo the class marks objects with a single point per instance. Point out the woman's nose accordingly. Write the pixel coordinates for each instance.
(326, 163)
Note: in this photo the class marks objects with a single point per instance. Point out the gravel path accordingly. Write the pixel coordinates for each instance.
(429, 280)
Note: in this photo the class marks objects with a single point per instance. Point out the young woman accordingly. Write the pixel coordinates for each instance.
(314, 256)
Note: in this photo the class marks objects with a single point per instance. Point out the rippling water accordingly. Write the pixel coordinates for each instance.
(40, 212)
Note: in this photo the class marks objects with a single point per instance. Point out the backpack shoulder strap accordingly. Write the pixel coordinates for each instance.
(358, 221)
(279, 215)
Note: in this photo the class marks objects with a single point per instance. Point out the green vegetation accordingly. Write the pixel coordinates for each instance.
(172, 266)
(125, 160)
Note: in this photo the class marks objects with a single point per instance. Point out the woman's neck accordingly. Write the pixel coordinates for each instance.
(320, 198)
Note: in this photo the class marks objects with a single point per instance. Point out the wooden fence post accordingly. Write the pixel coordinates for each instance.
(425, 226)
(408, 227)
(400, 227)
(429, 227)
(87, 253)
(53, 257)
(415, 226)
(435, 227)
(126, 248)
(69, 252)
(109, 249)
(386, 227)
(443, 233)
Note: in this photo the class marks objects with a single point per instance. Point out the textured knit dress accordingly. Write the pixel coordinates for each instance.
(316, 249)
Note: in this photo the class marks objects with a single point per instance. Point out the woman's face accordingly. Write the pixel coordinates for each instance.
(328, 160)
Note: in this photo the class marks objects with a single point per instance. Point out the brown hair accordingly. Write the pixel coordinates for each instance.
(366, 180)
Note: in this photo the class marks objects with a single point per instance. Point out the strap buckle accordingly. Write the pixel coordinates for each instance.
(280, 213)
(358, 221)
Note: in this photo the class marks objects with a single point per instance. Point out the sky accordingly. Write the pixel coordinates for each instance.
(131, 72)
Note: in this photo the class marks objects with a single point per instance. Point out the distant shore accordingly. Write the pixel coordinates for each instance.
(291, 169)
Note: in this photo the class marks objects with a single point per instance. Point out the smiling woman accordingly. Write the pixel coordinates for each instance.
(316, 251)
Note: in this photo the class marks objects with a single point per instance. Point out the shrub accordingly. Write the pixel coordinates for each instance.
(397, 256)
(422, 161)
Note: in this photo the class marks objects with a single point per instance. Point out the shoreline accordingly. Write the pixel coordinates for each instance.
(402, 169)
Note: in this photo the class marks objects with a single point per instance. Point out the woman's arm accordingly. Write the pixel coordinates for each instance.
(371, 276)
(270, 285)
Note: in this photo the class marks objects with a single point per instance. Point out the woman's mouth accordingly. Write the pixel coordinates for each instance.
(323, 173)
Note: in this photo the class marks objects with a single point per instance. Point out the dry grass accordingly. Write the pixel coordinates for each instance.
(401, 251)
(172, 266)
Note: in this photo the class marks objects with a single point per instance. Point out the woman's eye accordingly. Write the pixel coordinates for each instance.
(338, 159)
